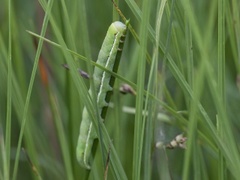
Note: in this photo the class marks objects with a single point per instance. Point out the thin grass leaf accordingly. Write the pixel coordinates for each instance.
(30, 89)
(139, 126)
(221, 79)
(9, 95)
(149, 105)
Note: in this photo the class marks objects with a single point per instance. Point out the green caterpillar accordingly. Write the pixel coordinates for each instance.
(109, 57)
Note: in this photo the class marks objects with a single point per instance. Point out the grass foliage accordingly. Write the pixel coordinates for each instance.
(181, 57)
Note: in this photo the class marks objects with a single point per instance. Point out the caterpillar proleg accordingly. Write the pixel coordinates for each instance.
(109, 57)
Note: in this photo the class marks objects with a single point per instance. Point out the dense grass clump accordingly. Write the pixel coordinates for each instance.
(180, 118)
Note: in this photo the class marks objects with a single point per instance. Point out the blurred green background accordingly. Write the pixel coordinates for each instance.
(185, 69)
